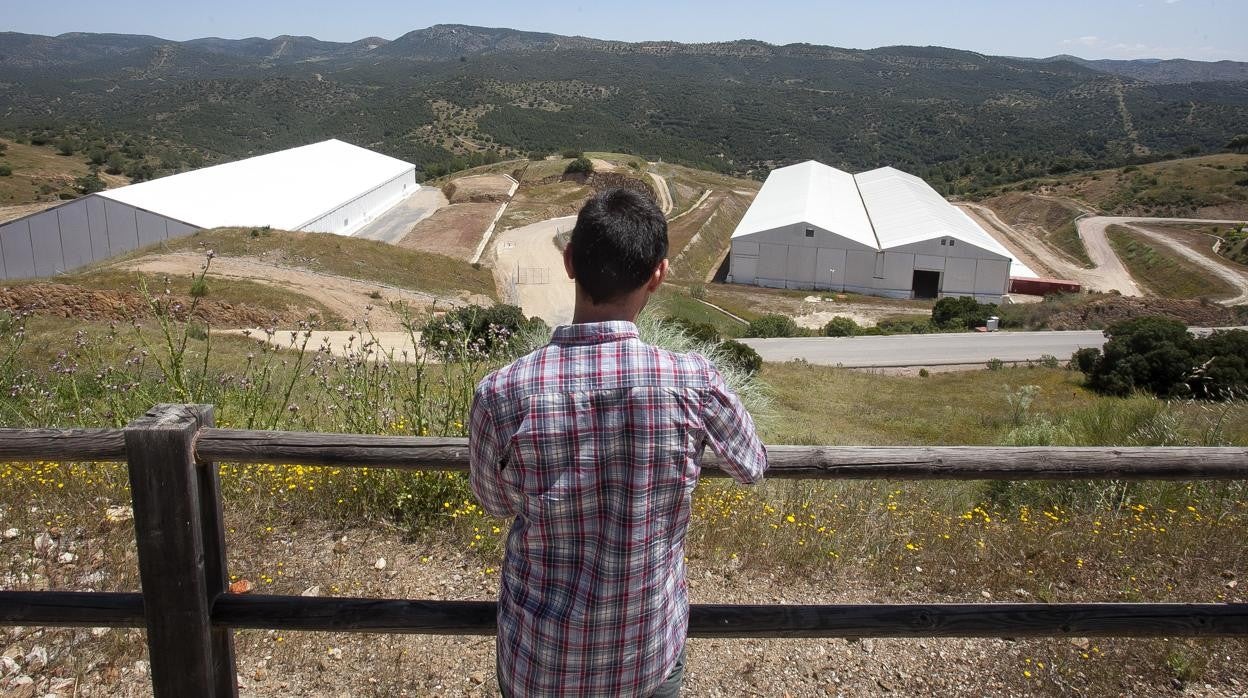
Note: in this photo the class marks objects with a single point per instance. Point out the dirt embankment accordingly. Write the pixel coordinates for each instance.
(599, 181)
(1102, 313)
(479, 189)
(64, 300)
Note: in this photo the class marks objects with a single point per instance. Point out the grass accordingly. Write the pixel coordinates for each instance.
(1162, 271)
(672, 301)
(366, 260)
(39, 173)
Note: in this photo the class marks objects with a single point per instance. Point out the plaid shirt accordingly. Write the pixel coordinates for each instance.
(593, 444)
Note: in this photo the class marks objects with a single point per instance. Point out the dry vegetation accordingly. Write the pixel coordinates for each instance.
(1049, 219)
(41, 174)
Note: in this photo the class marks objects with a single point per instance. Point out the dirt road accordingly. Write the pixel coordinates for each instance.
(529, 272)
(349, 298)
(1092, 231)
(665, 194)
(1030, 251)
(1231, 273)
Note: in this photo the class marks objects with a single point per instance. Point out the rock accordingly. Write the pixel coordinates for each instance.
(1232, 584)
(380, 564)
(36, 659)
(141, 667)
(1022, 593)
(118, 514)
(9, 666)
(335, 653)
(311, 591)
(986, 594)
(100, 632)
(66, 558)
(62, 687)
(477, 677)
(44, 543)
(21, 687)
(11, 533)
(340, 547)
(242, 586)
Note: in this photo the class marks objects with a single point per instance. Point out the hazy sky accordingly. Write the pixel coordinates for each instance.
(1197, 29)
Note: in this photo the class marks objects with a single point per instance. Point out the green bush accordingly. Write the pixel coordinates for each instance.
(89, 184)
(572, 154)
(1222, 370)
(1084, 360)
(995, 364)
(961, 312)
(841, 327)
(905, 325)
(1147, 353)
(701, 331)
(6, 171)
(579, 166)
(742, 356)
(772, 325)
(475, 332)
(199, 287)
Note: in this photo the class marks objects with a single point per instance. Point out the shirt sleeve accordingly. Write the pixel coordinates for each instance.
(730, 432)
(485, 461)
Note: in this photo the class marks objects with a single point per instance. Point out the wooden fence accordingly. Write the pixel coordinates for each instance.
(190, 617)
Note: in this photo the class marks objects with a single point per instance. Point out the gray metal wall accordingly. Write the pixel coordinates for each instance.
(77, 233)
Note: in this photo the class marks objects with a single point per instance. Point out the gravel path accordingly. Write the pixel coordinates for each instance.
(529, 270)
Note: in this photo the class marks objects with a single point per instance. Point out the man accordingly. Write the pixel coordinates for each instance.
(593, 444)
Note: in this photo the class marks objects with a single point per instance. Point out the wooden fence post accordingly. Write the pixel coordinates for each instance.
(178, 529)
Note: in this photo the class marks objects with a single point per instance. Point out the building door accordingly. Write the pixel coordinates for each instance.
(926, 283)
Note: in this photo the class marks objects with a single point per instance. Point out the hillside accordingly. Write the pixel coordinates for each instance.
(1214, 186)
(442, 95)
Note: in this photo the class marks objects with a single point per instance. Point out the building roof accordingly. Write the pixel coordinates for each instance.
(882, 209)
(286, 190)
(814, 193)
(904, 210)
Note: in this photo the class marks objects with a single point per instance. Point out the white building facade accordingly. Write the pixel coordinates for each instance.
(883, 232)
(328, 187)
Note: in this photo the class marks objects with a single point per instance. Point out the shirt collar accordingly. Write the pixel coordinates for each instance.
(594, 332)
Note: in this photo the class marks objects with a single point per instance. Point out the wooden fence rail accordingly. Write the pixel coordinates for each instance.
(190, 618)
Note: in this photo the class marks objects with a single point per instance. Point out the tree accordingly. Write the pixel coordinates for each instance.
(115, 163)
(89, 184)
(1155, 354)
(961, 312)
(1222, 372)
(579, 166)
(1239, 143)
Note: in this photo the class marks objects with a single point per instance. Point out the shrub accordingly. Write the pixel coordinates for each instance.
(472, 331)
(772, 325)
(961, 312)
(924, 373)
(701, 331)
(572, 154)
(1049, 361)
(741, 356)
(1222, 370)
(697, 292)
(89, 184)
(995, 364)
(905, 325)
(841, 327)
(199, 287)
(1146, 353)
(6, 171)
(1085, 359)
(579, 166)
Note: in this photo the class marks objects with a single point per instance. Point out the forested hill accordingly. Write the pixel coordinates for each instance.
(454, 92)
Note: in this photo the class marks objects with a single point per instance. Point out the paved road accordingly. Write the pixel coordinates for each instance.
(396, 223)
(928, 349)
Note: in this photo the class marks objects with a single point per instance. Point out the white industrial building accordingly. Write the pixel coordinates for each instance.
(327, 187)
(882, 232)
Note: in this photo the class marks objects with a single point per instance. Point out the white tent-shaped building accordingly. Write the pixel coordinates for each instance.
(328, 187)
(883, 232)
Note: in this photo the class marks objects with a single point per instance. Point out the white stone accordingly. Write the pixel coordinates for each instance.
(311, 591)
(380, 564)
(44, 543)
(36, 659)
(11, 533)
(66, 558)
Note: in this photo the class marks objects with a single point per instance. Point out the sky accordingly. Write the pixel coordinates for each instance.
(1195, 29)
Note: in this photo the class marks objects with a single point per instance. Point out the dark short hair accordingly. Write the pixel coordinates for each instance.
(619, 239)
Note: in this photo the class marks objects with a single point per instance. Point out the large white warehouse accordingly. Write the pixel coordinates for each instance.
(883, 232)
(328, 187)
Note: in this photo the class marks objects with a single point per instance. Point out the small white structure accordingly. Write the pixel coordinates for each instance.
(328, 187)
(883, 232)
